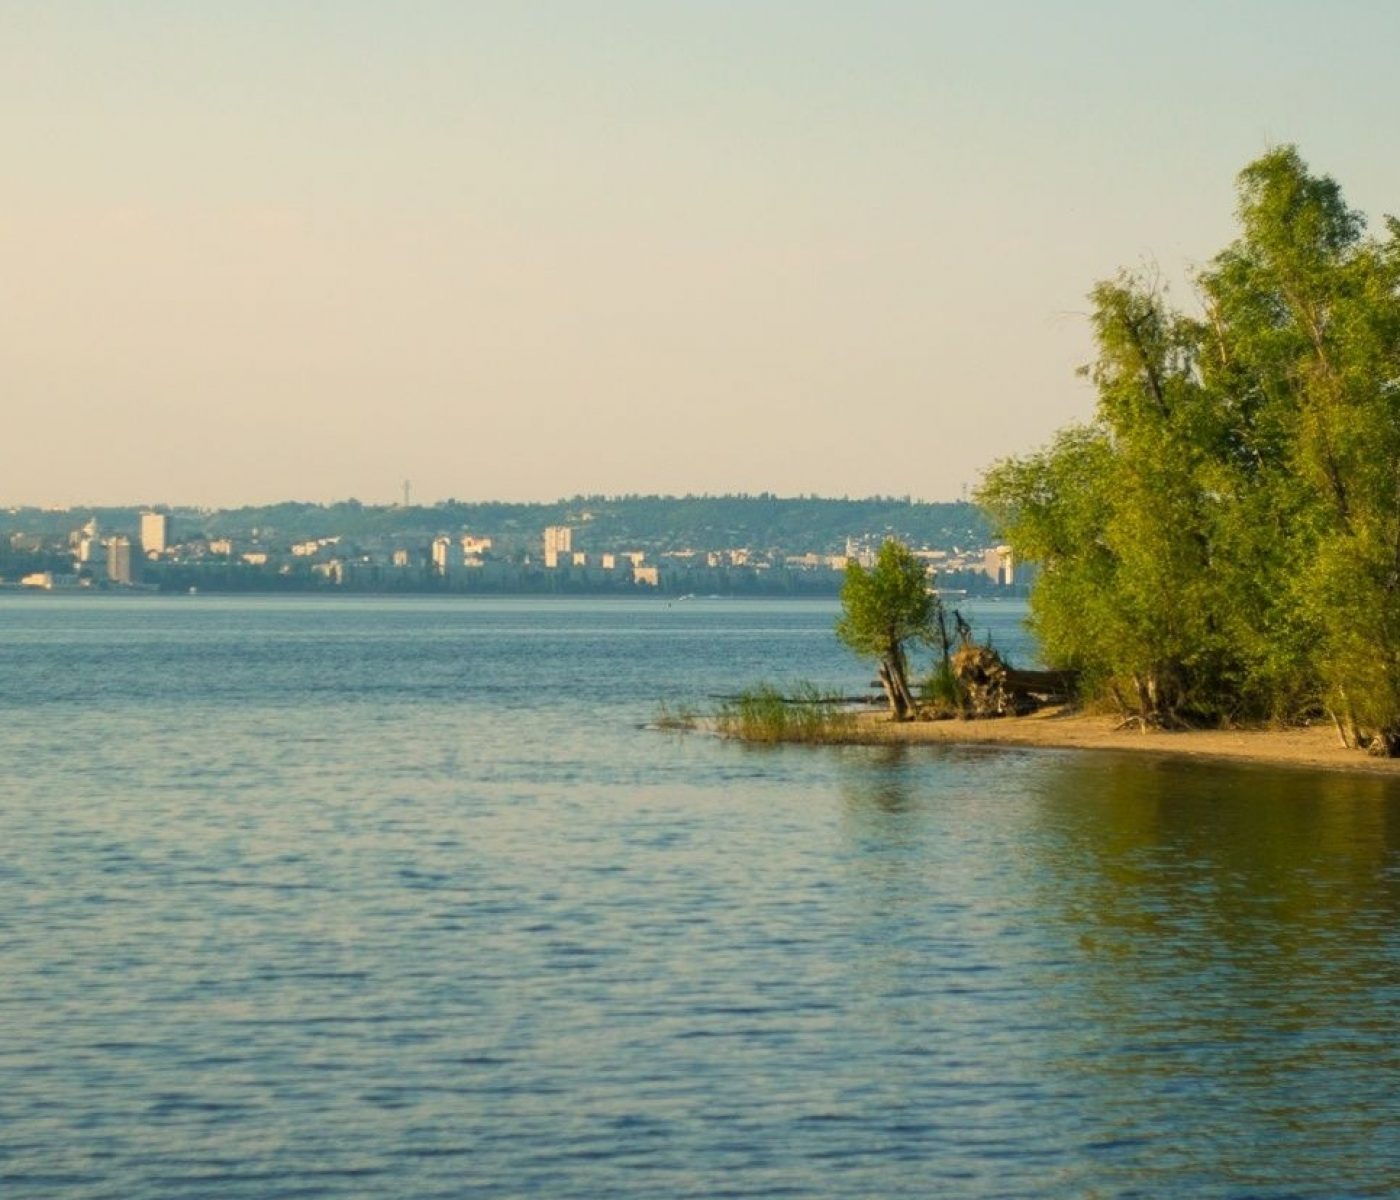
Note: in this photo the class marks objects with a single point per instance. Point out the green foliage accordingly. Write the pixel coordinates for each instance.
(882, 610)
(887, 605)
(765, 714)
(1223, 541)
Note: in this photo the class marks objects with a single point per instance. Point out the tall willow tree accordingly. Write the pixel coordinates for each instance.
(1222, 541)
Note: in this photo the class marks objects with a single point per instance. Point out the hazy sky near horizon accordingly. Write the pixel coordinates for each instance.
(259, 251)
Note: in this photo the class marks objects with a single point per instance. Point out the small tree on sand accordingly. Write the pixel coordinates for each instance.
(883, 609)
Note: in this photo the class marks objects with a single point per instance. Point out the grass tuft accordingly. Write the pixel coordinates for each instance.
(765, 714)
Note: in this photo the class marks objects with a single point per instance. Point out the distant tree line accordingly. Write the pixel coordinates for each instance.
(1222, 541)
(673, 522)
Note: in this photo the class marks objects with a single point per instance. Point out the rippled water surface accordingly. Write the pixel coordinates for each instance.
(398, 898)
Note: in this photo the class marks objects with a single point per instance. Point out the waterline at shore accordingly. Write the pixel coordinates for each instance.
(1313, 747)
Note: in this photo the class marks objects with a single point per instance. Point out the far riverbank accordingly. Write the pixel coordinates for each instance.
(1314, 747)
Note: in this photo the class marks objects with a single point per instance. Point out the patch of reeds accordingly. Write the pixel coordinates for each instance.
(766, 714)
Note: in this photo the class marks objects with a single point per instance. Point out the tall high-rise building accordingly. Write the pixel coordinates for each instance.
(119, 560)
(155, 533)
(558, 539)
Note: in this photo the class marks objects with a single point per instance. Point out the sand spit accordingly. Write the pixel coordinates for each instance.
(1314, 747)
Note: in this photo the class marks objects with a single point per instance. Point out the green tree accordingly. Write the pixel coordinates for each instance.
(883, 609)
(1116, 514)
(1306, 347)
(1222, 541)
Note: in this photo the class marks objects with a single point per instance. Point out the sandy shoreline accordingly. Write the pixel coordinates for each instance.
(1313, 748)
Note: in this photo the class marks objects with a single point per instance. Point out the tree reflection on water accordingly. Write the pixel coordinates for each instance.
(1189, 972)
(1235, 959)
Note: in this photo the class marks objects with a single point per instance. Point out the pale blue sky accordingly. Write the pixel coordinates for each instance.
(254, 251)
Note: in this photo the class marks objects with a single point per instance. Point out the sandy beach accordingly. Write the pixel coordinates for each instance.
(1315, 747)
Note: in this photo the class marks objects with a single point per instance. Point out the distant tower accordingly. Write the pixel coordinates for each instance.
(155, 533)
(407, 492)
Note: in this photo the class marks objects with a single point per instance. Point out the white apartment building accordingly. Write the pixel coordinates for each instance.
(558, 539)
(155, 533)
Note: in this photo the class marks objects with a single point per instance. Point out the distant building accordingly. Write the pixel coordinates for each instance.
(119, 560)
(646, 576)
(156, 536)
(48, 580)
(442, 554)
(89, 542)
(997, 565)
(861, 551)
(558, 539)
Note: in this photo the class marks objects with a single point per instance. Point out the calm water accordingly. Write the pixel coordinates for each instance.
(397, 898)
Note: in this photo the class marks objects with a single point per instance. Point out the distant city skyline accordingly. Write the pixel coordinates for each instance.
(258, 252)
(731, 545)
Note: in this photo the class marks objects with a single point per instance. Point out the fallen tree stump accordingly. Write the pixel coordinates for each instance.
(990, 688)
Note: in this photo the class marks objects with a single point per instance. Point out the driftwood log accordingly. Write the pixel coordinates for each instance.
(1049, 687)
(990, 688)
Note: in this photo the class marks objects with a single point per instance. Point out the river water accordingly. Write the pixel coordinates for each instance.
(308, 897)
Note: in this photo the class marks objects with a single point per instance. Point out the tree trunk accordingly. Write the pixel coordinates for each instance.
(899, 708)
(895, 680)
(1342, 736)
(901, 680)
(1358, 740)
(911, 706)
(1144, 695)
